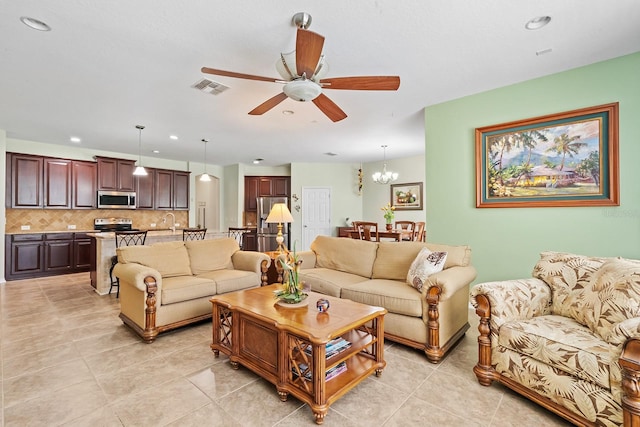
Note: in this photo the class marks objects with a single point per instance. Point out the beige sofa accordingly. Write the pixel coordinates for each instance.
(167, 285)
(375, 273)
(567, 338)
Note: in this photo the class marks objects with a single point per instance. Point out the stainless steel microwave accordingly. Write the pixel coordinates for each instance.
(116, 200)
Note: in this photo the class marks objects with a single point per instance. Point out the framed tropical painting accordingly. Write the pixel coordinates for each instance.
(564, 159)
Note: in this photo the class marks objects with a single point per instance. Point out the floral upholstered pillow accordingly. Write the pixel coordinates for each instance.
(425, 264)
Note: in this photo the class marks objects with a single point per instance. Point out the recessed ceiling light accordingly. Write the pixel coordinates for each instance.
(537, 22)
(174, 137)
(542, 52)
(156, 151)
(287, 112)
(75, 139)
(35, 24)
(257, 161)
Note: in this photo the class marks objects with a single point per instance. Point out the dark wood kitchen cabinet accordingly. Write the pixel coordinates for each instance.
(46, 254)
(50, 183)
(24, 179)
(171, 189)
(145, 190)
(116, 174)
(264, 186)
(57, 183)
(84, 185)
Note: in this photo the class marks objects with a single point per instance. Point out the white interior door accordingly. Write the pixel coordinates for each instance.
(316, 214)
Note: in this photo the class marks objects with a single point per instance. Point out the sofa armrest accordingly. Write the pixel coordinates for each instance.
(134, 274)
(250, 261)
(629, 363)
(512, 300)
(449, 281)
(308, 259)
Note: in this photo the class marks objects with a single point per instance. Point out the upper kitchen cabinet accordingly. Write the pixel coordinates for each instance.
(171, 189)
(264, 186)
(57, 181)
(84, 184)
(24, 181)
(145, 190)
(115, 174)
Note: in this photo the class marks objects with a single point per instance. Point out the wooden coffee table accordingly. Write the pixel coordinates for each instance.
(287, 346)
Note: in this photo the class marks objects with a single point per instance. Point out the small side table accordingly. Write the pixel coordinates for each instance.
(274, 273)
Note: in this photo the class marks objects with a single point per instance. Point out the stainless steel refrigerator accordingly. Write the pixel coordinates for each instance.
(267, 233)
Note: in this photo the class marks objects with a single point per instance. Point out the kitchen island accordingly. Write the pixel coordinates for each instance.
(105, 244)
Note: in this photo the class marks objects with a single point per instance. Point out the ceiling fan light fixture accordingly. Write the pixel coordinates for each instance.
(302, 90)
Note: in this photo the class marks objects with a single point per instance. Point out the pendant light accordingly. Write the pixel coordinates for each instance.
(205, 176)
(140, 170)
(385, 176)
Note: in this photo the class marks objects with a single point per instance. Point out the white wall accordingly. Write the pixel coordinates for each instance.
(342, 178)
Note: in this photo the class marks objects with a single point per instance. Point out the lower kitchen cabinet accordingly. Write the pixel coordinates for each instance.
(46, 254)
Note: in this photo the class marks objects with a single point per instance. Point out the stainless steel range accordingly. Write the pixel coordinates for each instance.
(113, 224)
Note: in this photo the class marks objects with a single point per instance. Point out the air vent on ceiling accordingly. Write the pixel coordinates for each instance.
(209, 86)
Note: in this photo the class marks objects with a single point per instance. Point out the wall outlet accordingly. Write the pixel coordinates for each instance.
(71, 227)
(25, 227)
(177, 224)
(153, 224)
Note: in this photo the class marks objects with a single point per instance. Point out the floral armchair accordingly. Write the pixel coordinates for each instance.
(567, 338)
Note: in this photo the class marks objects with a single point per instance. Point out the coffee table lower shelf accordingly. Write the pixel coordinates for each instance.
(271, 342)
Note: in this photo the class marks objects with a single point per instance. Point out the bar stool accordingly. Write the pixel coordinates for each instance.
(124, 238)
(238, 234)
(194, 234)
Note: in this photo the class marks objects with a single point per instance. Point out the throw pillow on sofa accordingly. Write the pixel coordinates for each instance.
(425, 264)
(170, 259)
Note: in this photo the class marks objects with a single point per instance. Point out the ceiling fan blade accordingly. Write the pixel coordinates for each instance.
(329, 108)
(268, 104)
(308, 51)
(362, 83)
(238, 75)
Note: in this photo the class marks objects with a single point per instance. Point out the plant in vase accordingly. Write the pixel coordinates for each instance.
(389, 214)
(292, 291)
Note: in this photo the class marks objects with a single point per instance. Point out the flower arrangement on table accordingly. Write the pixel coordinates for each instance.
(389, 213)
(292, 291)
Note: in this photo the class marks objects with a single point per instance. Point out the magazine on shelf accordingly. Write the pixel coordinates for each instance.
(332, 348)
(329, 374)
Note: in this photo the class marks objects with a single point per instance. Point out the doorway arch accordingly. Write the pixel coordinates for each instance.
(207, 207)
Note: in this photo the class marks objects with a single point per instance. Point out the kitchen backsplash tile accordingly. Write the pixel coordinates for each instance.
(60, 219)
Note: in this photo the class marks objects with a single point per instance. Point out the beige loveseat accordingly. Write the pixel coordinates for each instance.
(375, 273)
(568, 338)
(167, 285)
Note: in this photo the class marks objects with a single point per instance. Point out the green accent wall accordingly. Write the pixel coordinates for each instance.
(506, 242)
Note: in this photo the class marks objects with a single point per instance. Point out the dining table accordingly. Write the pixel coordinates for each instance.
(383, 234)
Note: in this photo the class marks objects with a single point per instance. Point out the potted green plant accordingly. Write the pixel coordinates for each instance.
(389, 215)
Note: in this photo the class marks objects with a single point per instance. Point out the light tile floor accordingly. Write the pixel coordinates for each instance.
(67, 359)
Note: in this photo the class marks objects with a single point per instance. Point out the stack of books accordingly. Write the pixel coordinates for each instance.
(331, 372)
(332, 348)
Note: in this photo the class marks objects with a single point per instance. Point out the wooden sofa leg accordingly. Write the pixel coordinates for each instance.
(483, 369)
(264, 267)
(433, 350)
(150, 331)
(630, 363)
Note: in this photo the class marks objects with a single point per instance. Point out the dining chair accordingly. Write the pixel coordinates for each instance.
(367, 230)
(194, 234)
(124, 238)
(419, 235)
(238, 234)
(407, 229)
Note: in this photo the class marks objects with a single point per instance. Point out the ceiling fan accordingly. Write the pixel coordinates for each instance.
(303, 72)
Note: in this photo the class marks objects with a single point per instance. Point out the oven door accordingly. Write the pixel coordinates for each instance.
(116, 200)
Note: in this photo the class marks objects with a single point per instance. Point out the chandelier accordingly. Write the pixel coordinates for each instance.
(385, 176)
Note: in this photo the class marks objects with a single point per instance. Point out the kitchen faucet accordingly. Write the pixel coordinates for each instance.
(173, 223)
